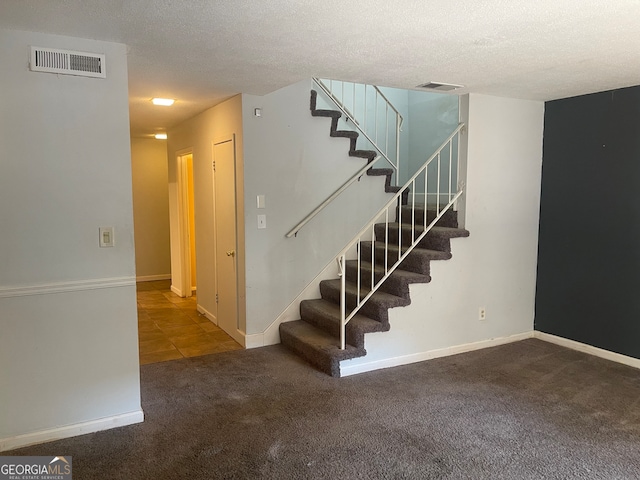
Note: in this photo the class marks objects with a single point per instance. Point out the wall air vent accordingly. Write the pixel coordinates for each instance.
(439, 86)
(66, 62)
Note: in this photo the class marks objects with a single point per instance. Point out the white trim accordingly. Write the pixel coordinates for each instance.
(67, 431)
(207, 313)
(346, 371)
(176, 290)
(591, 350)
(255, 340)
(63, 287)
(153, 278)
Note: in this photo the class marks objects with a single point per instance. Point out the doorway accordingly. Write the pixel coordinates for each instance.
(187, 223)
(226, 247)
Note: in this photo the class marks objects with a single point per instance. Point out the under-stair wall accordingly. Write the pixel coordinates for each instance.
(290, 158)
(495, 267)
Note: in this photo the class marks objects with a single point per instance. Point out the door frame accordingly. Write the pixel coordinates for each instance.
(237, 334)
(182, 175)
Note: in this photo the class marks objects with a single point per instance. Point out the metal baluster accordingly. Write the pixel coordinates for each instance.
(343, 301)
(413, 210)
(450, 167)
(438, 188)
(386, 240)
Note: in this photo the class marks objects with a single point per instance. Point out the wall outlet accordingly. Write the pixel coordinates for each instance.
(482, 314)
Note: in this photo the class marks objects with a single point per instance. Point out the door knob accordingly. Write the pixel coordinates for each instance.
(231, 253)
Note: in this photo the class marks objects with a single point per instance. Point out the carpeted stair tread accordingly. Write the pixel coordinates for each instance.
(326, 316)
(393, 251)
(438, 238)
(326, 113)
(418, 260)
(317, 346)
(379, 172)
(396, 284)
(369, 155)
(449, 217)
(376, 307)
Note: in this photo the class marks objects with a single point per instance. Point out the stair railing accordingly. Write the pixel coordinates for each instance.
(435, 190)
(294, 231)
(371, 113)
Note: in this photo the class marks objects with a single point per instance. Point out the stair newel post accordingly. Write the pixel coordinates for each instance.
(343, 306)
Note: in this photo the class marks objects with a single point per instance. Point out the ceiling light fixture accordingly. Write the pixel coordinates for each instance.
(440, 86)
(165, 102)
(161, 136)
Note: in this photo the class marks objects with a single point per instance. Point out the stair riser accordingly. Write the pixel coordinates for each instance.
(448, 219)
(413, 263)
(430, 242)
(322, 363)
(369, 309)
(391, 285)
(331, 326)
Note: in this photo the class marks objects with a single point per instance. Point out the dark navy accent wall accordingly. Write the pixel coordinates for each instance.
(588, 284)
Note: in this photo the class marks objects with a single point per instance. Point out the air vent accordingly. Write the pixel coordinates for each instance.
(440, 87)
(66, 62)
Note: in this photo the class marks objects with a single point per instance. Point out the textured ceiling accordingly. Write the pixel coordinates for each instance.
(202, 51)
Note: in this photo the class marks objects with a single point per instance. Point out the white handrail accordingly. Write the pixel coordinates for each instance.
(294, 231)
(370, 227)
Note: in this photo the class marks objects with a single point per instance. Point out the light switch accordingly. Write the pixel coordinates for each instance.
(261, 201)
(262, 222)
(106, 236)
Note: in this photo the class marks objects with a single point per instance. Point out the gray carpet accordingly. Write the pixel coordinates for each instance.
(527, 410)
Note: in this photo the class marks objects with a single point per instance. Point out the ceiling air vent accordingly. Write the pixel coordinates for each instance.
(440, 87)
(66, 62)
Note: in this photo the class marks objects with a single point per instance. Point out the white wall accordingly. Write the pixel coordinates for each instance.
(68, 348)
(290, 158)
(496, 266)
(197, 135)
(149, 172)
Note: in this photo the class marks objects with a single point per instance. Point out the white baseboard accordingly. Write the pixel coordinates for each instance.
(591, 350)
(153, 278)
(255, 340)
(207, 313)
(177, 291)
(346, 370)
(71, 430)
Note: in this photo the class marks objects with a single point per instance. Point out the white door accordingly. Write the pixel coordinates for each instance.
(224, 180)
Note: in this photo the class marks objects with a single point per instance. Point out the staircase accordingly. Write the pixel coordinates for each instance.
(316, 336)
(369, 155)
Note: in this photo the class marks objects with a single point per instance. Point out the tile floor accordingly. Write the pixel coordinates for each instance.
(170, 327)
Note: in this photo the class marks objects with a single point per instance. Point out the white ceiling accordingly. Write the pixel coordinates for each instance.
(203, 51)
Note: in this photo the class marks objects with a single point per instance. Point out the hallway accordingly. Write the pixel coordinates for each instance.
(170, 327)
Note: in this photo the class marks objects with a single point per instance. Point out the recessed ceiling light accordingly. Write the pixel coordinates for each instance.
(161, 136)
(165, 102)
